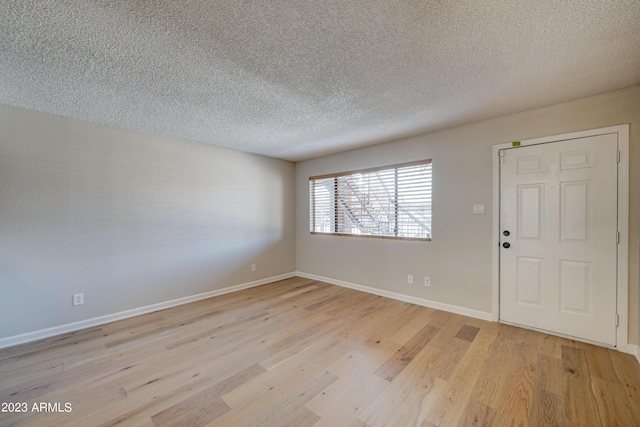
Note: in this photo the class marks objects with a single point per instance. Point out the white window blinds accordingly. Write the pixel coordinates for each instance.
(391, 201)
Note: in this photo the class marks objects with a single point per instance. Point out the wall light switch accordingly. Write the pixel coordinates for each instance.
(478, 209)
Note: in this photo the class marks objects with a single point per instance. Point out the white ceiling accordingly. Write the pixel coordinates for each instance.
(299, 79)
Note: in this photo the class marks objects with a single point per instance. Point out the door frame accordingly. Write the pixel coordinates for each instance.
(622, 297)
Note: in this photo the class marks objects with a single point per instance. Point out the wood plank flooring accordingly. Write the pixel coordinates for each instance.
(304, 353)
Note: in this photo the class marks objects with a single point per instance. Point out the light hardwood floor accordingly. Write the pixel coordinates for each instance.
(301, 353)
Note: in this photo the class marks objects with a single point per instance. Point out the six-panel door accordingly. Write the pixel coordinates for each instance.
(559, 208)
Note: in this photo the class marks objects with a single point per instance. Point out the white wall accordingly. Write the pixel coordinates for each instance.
(458, 259)
(129, 219)
(132, 220)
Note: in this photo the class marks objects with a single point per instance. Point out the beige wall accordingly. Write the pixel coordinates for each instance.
(129, 219)
(459, 258)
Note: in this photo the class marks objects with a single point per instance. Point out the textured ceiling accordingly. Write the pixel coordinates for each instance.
(299, 79)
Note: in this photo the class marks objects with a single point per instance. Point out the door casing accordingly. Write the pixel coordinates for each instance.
(622, 296)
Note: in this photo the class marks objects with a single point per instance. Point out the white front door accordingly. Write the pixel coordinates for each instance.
(558, 237)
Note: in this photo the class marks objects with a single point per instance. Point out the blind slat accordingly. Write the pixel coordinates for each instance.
(392, 201)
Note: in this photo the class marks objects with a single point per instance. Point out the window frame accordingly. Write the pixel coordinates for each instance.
(395, 204)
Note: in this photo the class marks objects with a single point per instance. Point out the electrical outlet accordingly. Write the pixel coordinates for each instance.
(410, 279)
(78, 299)
(427, 281)
(253, 267)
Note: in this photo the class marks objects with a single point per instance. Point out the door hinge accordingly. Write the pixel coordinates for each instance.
(617, 237)
(617, 156)
(617, 319)
(501, 155)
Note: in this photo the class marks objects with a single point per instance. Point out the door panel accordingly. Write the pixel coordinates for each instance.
(574, 210)
(530, 209)
(575, 286)
(529, 281)
(558, 201)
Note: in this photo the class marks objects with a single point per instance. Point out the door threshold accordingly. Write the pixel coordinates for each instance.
(557, 334)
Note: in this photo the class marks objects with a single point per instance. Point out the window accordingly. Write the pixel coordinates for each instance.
(390, 201)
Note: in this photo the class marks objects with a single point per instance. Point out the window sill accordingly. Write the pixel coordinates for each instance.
(373, 236)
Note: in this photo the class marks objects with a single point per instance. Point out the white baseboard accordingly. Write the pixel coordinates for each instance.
(631, 349)
(635, 350)
(88, 323)
(401, 297)
(96, 321)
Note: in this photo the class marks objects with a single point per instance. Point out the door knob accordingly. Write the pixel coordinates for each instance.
(506, 232)
(506, 245)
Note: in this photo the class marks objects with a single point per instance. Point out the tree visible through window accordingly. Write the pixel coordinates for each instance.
(391, 201)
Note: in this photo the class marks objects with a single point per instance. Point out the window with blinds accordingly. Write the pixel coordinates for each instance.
(391, 201)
